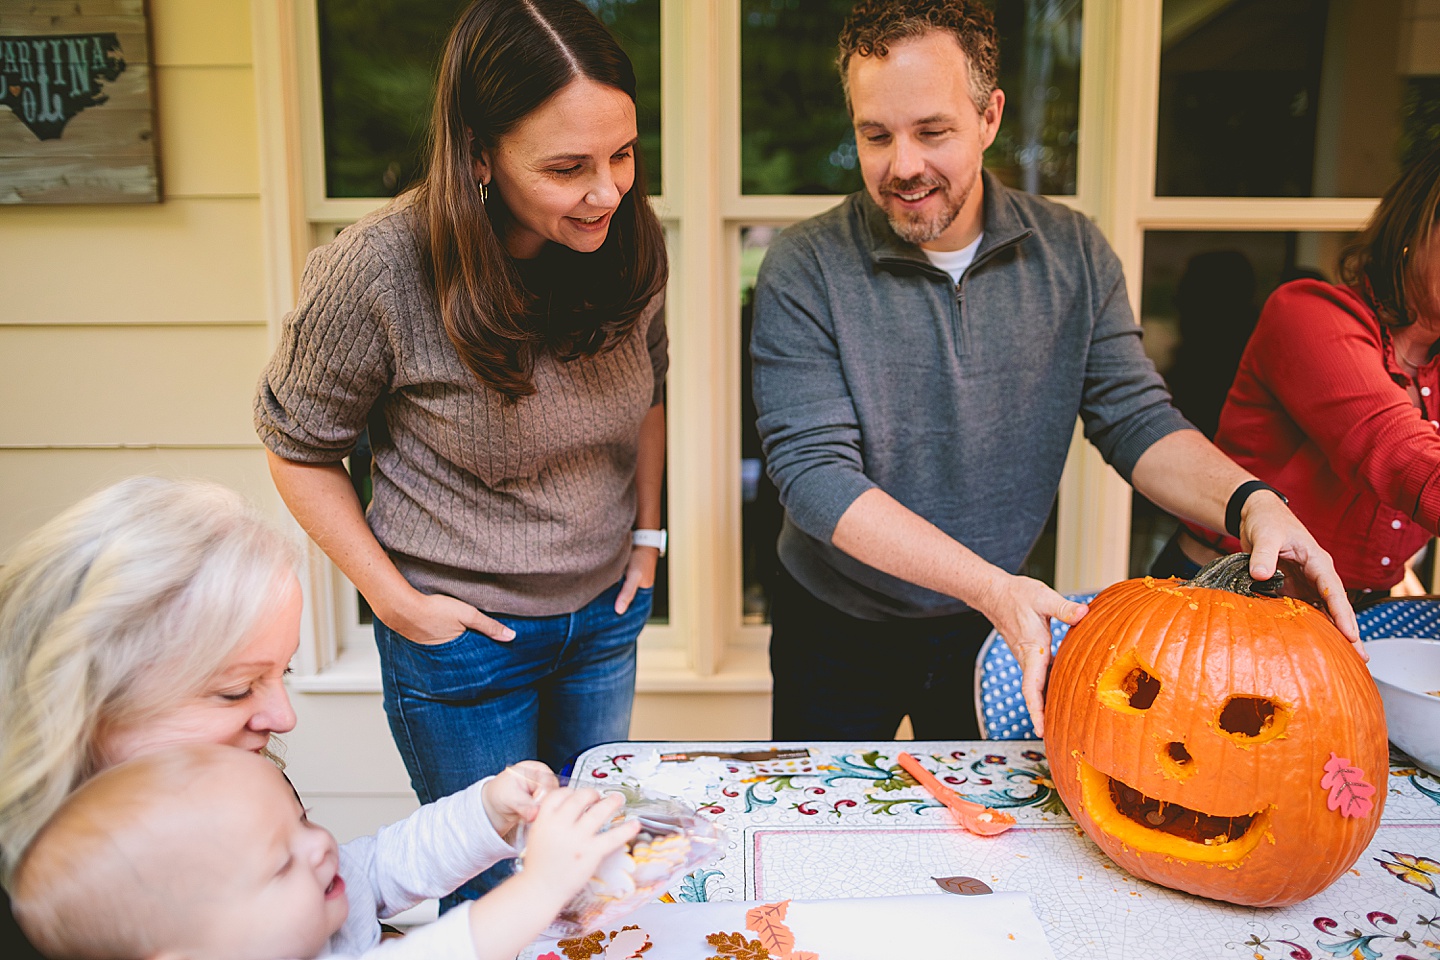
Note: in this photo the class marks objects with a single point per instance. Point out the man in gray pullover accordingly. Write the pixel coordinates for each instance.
(921, 352)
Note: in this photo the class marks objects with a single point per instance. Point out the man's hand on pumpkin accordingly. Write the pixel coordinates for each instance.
(1020, 610)
(1274, 535)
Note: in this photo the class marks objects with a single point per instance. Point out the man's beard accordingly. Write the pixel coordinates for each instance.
(919, 228)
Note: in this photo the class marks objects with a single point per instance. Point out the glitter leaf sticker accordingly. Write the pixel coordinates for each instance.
(962, 886)
(734, 946)
(767, 921)
(583, 948)
(1350, 792)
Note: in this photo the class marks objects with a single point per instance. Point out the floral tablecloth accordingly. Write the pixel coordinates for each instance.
(829, 820)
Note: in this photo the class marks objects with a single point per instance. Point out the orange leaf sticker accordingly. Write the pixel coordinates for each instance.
(1350, 792)
(767, 920)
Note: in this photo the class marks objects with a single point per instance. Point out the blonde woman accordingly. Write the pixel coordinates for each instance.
(156, 612)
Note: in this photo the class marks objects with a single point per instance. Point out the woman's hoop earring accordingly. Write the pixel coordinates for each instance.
(484, 191)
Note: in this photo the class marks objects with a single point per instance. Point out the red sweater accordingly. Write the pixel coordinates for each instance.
(1319, 410)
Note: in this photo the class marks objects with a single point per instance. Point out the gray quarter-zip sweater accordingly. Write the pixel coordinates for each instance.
(873, 370)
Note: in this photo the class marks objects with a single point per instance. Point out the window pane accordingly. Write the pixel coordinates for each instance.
(1200, 296)
(760, 511)
(795, 132)
(377, 68)
(1293, 98)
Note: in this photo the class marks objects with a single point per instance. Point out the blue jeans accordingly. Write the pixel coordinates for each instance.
(467, 708)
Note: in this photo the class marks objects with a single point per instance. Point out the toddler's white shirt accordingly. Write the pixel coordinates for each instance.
(425, 856)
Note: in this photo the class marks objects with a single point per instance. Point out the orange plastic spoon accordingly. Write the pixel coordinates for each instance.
(982, 821)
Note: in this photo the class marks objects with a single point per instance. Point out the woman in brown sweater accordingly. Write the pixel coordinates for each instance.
(499, 329)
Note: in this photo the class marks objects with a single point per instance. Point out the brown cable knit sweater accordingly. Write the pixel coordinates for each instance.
(522, 508)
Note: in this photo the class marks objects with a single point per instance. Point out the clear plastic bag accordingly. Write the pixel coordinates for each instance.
(673, 841)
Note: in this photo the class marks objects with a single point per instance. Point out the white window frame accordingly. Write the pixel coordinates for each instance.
(706, 646)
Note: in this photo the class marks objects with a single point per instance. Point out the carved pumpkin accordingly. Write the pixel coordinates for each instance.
(1190, 725)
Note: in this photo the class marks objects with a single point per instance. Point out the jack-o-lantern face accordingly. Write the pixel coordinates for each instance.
(1189, 729)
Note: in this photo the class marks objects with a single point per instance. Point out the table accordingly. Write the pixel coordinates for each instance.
(838, 821)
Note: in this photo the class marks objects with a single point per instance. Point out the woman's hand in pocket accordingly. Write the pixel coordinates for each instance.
(639, 573)
(435, 618)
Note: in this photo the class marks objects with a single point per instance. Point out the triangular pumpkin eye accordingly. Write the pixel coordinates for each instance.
(1142, 688)
(1127, 686)
(1250, 719)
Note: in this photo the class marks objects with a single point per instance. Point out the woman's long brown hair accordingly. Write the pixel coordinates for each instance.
(503, 59)
(1378, 262)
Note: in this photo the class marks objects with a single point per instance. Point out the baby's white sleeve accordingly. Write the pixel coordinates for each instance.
(433, 851)
(448, 938)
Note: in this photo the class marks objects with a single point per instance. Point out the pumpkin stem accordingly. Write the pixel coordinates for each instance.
(1232, 573)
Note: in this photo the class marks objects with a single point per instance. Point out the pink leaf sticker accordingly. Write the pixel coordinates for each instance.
(1350, 792)
(552, 955)
(627, 944)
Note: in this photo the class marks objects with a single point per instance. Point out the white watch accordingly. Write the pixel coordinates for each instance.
(650, 538)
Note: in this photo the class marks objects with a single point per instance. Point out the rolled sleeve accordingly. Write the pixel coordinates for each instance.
(808, 426)
(333, 361)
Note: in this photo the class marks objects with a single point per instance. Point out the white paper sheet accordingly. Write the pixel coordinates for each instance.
(996, 926)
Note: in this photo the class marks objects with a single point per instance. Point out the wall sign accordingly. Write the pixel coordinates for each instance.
(77, 118)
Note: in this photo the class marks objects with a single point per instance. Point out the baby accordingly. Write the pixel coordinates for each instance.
(205, 853)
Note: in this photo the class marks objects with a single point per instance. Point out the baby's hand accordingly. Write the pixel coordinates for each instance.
(564, 846)
(513, 797)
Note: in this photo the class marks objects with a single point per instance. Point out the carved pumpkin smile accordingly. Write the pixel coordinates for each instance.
(1169, 828)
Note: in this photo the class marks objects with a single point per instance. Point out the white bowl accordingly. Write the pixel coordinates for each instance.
(1406, 670)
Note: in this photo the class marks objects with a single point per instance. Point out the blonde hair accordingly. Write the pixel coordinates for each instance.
(120, 608)
(118, 871)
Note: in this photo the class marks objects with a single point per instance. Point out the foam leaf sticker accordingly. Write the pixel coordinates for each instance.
(767, 920)
(552, 955)
(734, 946)
(804, 955)
(962, 886)
(628, 944)
(1350, 792)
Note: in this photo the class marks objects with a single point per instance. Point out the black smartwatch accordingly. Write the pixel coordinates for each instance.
(1237, 503)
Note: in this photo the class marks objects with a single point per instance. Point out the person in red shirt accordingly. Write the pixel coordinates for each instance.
(1337, 400)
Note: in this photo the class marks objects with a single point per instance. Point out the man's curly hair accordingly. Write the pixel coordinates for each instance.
(875, 24)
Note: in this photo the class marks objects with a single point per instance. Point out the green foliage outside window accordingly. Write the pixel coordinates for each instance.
(1420, 113)
(796, 136)
(377, 65)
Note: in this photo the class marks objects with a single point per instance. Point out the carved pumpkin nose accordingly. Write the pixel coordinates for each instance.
(1176, 752)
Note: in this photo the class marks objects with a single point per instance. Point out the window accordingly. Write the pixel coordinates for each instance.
(1266, 99)
(795, 133)
(1292, 98)
(1200, 296)
(1185, 128)
(377, 63)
